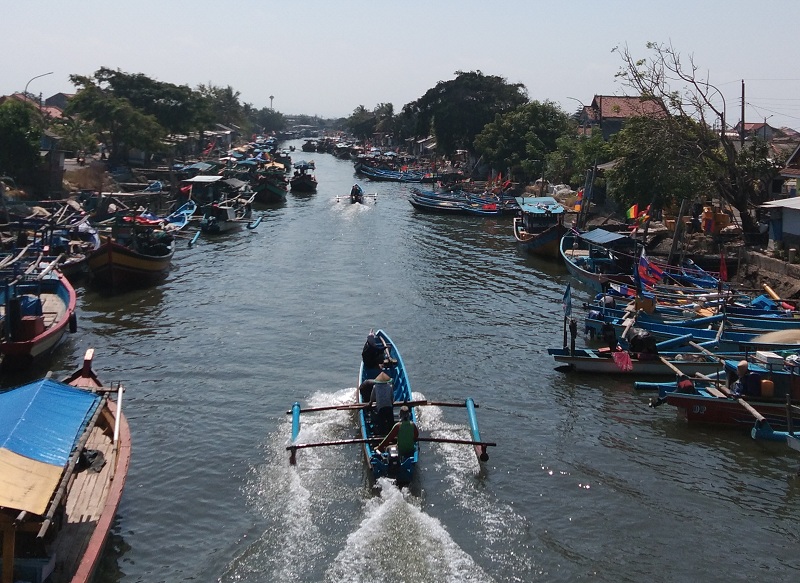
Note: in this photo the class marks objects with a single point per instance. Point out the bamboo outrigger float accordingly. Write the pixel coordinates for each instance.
(388, 461)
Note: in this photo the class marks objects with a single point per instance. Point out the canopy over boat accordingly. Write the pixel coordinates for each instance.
(40, 424)
(540, 205)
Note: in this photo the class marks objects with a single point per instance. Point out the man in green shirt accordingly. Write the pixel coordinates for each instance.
(404, 432)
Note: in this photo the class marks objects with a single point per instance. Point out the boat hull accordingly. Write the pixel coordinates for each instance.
(708, 410)
(59, 299)
(576, 256)
(589, 361)
(114, 265)
(543, 244)
(380, 464)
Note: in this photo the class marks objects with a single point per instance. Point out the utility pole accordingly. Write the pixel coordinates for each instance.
(741, 129)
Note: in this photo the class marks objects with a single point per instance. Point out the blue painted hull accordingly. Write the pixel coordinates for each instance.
(380, 464)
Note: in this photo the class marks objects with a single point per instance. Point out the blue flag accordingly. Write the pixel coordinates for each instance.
(567, 301)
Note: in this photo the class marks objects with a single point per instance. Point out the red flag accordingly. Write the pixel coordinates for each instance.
(723, 268)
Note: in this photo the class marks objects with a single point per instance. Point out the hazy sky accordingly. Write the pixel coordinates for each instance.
(326, 57)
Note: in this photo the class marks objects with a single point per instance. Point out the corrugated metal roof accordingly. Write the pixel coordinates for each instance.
(787, 203)
(602, 237)
(205, 178)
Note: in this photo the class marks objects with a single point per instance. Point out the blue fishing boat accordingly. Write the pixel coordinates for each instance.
(452, 206)
(385, 175)
(387, 367)
(540, 225)
(598, 258)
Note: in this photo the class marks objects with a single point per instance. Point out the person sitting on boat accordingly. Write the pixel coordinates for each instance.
(356, 191)
(365, 388)
(609, 334)
(748, 384)
(372, 355)
(404, 433)
(383, 397)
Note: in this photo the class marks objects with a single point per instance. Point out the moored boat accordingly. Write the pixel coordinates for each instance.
(604, 361)
(599, 257)
(711, 402)
(226, 215)
(37, 310)
(303, 179)
(540, 226)
(60, 488)
(132, 256)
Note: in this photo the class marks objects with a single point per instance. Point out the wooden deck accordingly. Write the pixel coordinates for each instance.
(85, 503)
(53, 309)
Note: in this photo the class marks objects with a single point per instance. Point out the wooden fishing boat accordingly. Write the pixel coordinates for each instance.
(227, 215)
(271, 185)
(710, 401)
(604, 361)
(598, 257)
(37, 309)
(387, 462)
(60, 488)
(453, 206)
(540, 227)
(132, 256)
(386, 175)
(303, 179)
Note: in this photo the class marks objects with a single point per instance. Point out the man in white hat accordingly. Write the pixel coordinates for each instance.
(382, 396)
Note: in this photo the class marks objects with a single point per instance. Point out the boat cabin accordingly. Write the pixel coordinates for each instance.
(540, 212)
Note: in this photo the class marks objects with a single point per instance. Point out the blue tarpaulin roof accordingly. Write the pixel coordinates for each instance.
(539, 204)
(602, 237)
(43, 420)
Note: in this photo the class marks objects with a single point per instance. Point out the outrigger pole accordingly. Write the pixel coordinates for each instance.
(479, 445)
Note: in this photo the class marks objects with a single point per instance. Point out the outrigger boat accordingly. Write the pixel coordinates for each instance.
(388, 462)
(64, 455)
(357, 195)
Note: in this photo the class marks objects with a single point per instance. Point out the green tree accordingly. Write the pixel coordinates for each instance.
(575, 155)
(116, 120)
(362, 122)
(657, 161)
(268, 120)
(521, 139)
(177, 108)
(457, 110)
(731, 176)
(75, 133)
(224, 104)
(21, 131)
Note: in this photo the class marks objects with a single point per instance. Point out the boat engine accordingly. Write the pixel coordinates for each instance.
(393, 461)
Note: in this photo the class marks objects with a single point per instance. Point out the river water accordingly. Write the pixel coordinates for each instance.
(586, 481)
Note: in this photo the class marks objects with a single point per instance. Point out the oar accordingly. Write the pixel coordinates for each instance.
(457, 441)
(194, 239)
(293, 448)
(357, 406)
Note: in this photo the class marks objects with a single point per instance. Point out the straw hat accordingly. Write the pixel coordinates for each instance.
(383, 377)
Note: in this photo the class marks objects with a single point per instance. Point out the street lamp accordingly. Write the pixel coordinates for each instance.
(583, 114)
(765, 127)
(25, 91)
